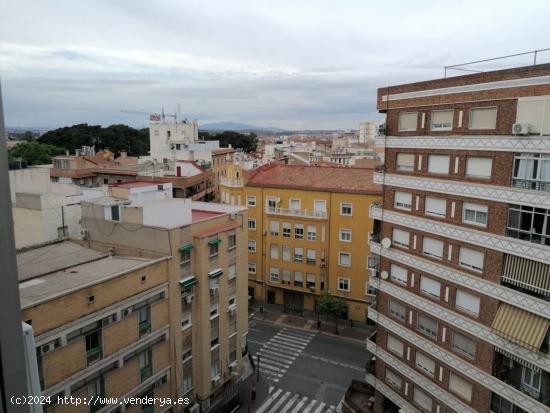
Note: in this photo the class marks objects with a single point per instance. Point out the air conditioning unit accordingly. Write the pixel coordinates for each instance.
(216, 380)
(46, 347)
(189, 298)
(84, 233)
(323, 263)
(126, 312)
(521, 128)
(373, 272)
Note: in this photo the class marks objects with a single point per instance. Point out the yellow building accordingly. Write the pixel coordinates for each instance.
(307, 233)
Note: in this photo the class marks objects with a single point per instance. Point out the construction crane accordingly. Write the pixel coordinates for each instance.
(152, 116)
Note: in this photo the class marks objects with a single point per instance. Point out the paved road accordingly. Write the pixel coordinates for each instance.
(308, 372)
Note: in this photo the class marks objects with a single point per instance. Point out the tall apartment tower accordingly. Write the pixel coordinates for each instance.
(463, 240)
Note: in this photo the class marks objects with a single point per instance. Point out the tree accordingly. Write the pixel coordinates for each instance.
(331, 306)
(34, 153)
(248, 142)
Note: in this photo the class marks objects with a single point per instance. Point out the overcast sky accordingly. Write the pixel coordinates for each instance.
(292, 64)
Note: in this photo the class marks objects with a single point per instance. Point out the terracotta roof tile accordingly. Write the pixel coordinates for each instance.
(316, 178)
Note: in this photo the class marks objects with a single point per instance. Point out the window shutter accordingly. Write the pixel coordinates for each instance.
(405, 161)
(438, 164)
(471, 259)
(436, 206)
(310, 278)
(483, 118)
(395, 345)
(407, 121)
(403, 200)
(401, 237)
(467, 301)
(425, 363)
(398, 273)
(442, 119)
(478, 166)
(460, 386)
(286, 275)
(432, 247)
(422, 399)
(286, 253)
(311, 255)
(274, 227)
(430, 286)
(298, 276)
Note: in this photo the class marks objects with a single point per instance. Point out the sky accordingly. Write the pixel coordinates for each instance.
(289, 64)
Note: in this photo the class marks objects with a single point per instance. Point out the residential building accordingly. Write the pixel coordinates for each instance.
(114, 341)
(169, 139)
(463, 303)
(206, 276)
(368, 131)
(221, 159)
(307, 233)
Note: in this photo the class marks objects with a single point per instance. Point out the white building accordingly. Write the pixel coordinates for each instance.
(368, 131)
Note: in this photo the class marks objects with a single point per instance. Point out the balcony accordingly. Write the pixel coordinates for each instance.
(531, 184)
(231, 183)
(304, 213)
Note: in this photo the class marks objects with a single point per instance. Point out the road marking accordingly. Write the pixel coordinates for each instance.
(281, 401)
(257, 342)
(274, 359)
(293, 337)
(294, 340)
(320, 408)
(268, 401)
(299, 405)
(310, 406)
(289, 359)
(289, 405)
(336, 363)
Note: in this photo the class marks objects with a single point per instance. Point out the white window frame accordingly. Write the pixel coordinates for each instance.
(252, 224)
(527, 377)
(251, 245)
(478, 210)
(344, 253)
(441, 128)
(345, 234)
(250, 201)
(274, 275)
(345, 205)
(274, 251)
(312, 235)
(344, 282)
(402, 200)
(291, 200)
(251, 266)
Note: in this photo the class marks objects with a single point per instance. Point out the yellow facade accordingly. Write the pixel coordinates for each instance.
(282, 256)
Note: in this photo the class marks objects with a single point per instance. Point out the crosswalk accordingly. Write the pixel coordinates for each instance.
(278, 354)
(281, 401)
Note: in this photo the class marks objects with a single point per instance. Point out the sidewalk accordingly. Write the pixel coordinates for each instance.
(308, 322)
(245, 392)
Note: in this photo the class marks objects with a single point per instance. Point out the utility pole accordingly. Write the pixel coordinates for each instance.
(13, 378)
(258, 367)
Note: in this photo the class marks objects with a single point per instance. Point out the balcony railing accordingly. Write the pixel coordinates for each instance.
(531, 184)
(233, 183)
(296, 212)
(144, 328)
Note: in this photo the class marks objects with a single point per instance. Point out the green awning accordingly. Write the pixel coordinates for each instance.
(216, 273)
(188, 282)
(214, 241)
(187, 247)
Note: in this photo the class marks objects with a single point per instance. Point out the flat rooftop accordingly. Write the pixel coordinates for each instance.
(66, 268)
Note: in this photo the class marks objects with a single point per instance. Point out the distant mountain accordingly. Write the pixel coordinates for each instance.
(234, 126)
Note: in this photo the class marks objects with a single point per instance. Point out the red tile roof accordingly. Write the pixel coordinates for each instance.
(199, 215)
(315, 178)
(222, 151)
(216, 230)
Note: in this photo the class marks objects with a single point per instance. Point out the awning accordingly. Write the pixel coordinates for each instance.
(216, 273)
(528, 274)
(214, 241)
(187, 247)
(520, 326)
(517, 359)
(188, 282)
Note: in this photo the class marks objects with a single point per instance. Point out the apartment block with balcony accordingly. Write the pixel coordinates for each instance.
(307, 233)
(463, 297)
(114, 341)
(207, 283)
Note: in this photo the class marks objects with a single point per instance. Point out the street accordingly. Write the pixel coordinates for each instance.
(307, 371)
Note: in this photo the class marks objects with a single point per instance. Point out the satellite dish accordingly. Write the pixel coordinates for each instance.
(386, 242)
(384, 274)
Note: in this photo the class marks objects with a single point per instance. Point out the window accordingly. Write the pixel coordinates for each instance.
(298, 254)
(398, 274)
(93, 346)
(397, 310)
(286, 276)
(251, 245)
(346, 209)
(407, 121)
(467, 302)
(395, 345)
(432, 247)
(144, 320)
(311, 257)
(214, 310)
(298, 231)
(344, 259)
(271, 202)
(438, 164)
(422, 399)
(345, 235)
(274, 275)
(403, 200)
(310, 280)
(530, 379)
(251, 201)
(475, 214)
(231, 241)
(274, 228)
(460, 387)
(294, 204)
(274, 252)
(425, 363)
(483, 118)
(320, 207)
(298, 279)
(185, 256)
(464, 345)
(145, 364)
(115, 212)
(400, 237)
(427, 325)
(286, 253)
(405, 162)
(393, 379)
(343, 284)
(251, 223)
(436, 206)
(213, 248)
(311, 232)
(252, 268)
(479, 167)
(528, 223)
(287, 230)
(471, 259)
(442, 120)
(231, 271)
(532, 170)
(430, 286)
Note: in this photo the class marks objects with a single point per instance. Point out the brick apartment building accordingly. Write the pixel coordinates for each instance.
(463, 236)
